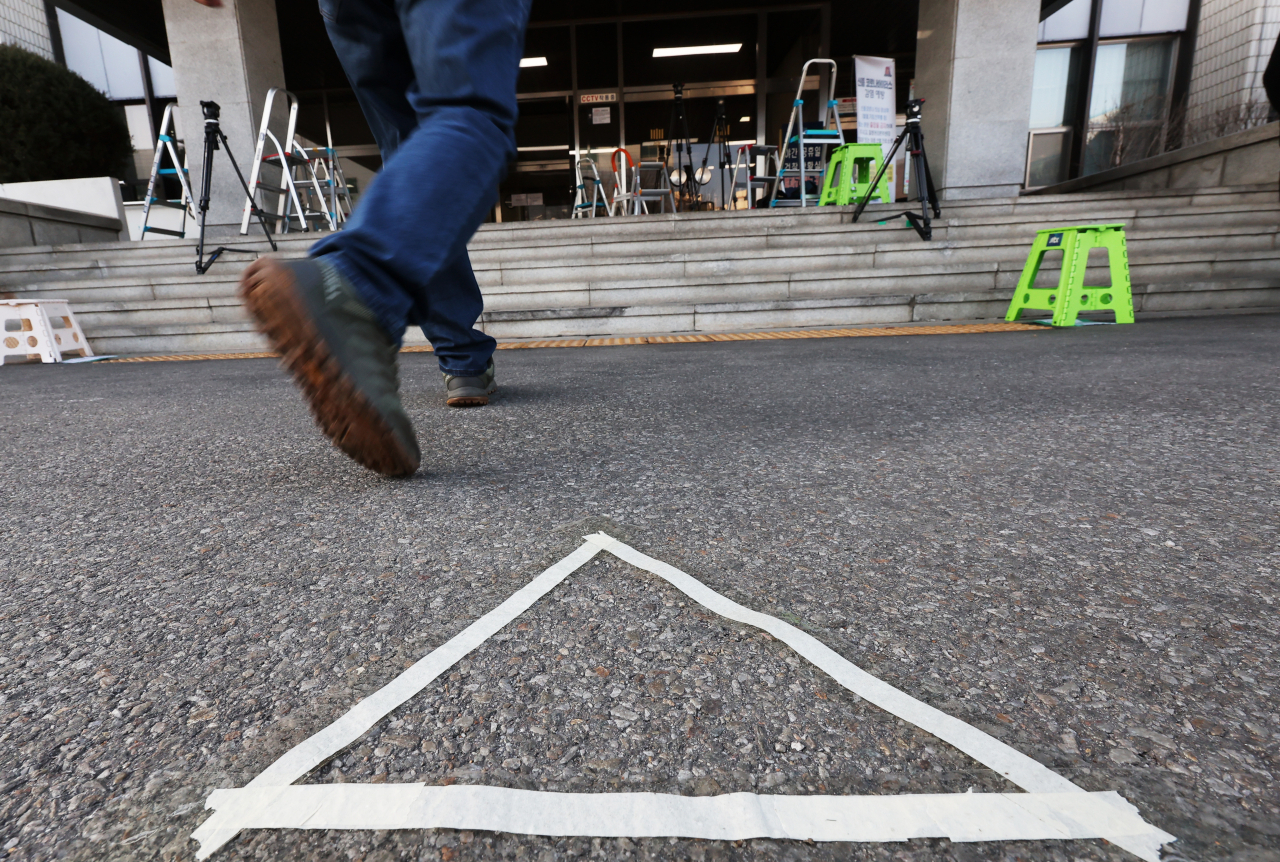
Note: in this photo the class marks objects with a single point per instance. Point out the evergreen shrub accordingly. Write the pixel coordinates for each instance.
(54, 125)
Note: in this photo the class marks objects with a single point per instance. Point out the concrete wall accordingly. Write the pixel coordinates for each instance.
(1245, 158)
(95, 195)
(975, 60)
(229, 55)
(28, 224)
(23, 23)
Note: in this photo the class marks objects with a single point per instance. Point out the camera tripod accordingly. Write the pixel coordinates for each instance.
(682, 178)
(719, 141)
(213, 134)
(920, 167)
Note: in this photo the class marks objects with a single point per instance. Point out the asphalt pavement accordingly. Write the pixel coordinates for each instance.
(1064, 538)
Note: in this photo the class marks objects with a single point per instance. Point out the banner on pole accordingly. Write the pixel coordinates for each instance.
(877, 102)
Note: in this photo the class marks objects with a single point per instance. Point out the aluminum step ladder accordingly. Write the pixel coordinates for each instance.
(746, 161)
(584, 205)
(822, 135)
(167, 143)
(295, 169)
(626, 185)
(631, 196)
(328, 171)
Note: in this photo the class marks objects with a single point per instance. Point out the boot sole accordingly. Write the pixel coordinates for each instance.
(470, 400)
(344, 415)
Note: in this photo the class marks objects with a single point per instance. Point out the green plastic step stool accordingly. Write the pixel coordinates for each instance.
(1072, 296)
(849, 175)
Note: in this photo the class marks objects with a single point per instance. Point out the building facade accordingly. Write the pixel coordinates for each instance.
(1017, 94)
(1233, 45)
(26, 23)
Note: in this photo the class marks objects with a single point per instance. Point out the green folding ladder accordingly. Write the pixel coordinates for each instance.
(1072, 296)
(849, 175)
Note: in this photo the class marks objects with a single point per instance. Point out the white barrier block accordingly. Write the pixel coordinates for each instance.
(68, 337)
(40, 329)
(25, 333)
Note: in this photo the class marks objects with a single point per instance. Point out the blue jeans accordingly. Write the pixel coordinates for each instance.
(436, 80)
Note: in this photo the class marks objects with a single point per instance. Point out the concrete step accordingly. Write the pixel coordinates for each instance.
(1231, 226)
(542, 236)
(1208, 249)
(556, 281)
(527, 305)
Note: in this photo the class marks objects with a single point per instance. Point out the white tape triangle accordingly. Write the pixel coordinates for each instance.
(1052, 807)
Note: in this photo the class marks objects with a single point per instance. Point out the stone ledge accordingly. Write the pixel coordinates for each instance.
(1195, 152)
(57, 214)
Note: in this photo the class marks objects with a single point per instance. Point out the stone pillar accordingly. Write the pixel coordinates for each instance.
(975, 60)
(230, 55)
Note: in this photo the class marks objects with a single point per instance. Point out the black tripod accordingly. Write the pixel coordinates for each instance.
(212, 135)
(682, 178)
(719, 141)
(919, 167)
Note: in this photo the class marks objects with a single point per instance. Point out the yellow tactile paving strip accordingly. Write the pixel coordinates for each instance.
(773, 335)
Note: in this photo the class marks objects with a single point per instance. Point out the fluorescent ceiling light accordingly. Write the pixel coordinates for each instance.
(526, 62)
(745, 120)
(697, 49)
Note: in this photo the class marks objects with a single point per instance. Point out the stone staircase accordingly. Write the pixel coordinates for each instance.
(1201, 250)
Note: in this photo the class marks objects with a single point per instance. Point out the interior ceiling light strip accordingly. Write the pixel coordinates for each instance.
(697, 49)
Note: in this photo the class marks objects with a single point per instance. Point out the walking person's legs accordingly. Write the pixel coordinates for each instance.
(436, 80)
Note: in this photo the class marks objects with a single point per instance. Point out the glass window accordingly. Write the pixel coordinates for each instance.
(597, 56)
(1129, 102)
(1069, 22)
(550, 45)
(139, 122)
(103, 60)
(82, 50)
(162, 85)
(1135, 17)
(124, 72)
(1164, 16)
(1130, 81)
(1052, 86)
(1047, 157)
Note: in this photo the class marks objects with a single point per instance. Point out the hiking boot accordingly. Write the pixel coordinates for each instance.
(339, 356)
(470, 391)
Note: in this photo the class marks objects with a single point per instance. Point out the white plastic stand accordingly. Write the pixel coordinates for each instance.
(40, 329)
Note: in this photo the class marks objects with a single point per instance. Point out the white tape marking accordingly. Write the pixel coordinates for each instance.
(729, 817)
(1052, 803)
(311, 752)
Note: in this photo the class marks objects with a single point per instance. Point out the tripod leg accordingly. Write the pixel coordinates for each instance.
(928, 180)
(206, 181)
(256, 211)
(862, 204)
(924, 228)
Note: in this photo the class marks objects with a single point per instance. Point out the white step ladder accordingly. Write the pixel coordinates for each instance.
(584, 205)
(823, 136)
(626, 200)
(40, 329)
(168, 143)
(631, 197)
(743, 177)
(291, 159)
